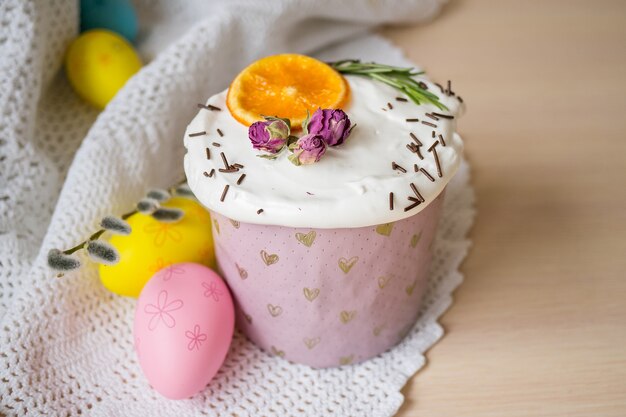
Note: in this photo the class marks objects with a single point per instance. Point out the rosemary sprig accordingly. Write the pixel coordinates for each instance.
(399, 78)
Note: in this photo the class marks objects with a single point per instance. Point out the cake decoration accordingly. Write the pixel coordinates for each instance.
(327, 127)
(399, 78)
(208, 107)
(270, 135)
(273, 98)
(289, 86)
(333, 125)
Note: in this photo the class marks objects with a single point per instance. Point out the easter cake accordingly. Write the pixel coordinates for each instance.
(325, 183)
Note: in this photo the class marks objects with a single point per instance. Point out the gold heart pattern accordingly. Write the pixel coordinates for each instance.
(277, 352)
(311, 293)
(378, 329)
(347, 264)
(346, 360)
(347, 316)
(217, 226)
(310, 343)
(415, 239)
(409, 290)
(243, 274)
(275, 311)
(306, 239)
(248, 318)
(269, 259)
(383, 281)
(384, 229)
(235, 223)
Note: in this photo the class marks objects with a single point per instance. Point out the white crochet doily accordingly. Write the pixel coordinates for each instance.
(66, 345)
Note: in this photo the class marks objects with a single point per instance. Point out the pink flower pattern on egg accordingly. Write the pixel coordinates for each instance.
(161, 311)
(211, 290)
(181, 335)
(195, 338)
(168, 272)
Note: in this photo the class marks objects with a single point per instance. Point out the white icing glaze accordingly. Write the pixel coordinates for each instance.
(349, 187)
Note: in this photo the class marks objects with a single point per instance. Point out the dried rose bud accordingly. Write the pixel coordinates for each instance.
(332, 124)
(308, 149)
(270, 135)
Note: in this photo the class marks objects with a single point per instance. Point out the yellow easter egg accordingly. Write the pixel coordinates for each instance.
(98, 63)
(153, 245)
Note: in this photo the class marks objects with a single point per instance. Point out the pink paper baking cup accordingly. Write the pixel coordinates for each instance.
(327, 297)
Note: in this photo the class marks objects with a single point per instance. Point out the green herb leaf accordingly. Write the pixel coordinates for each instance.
(399, 78)
(305, 123)
(268, 156)
(273, 118)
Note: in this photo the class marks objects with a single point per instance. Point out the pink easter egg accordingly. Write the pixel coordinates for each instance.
(184, 324)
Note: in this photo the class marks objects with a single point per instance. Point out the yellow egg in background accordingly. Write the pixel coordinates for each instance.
(153, 245)
(98, 63)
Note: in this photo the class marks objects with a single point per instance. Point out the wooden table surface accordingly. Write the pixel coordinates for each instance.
(538, 328)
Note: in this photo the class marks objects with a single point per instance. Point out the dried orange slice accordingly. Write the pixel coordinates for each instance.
(286, 86)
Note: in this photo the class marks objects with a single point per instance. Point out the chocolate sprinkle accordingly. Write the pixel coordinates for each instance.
(395, 166)
(443, 142)
(208, 153)
(209, 107)
(401, 99)
(191, 135)
(240, 180)
(460, 99)
(206, 174)
(422, 85)
(226, 187)
(434, 151)
(390, 106)
(429, 124)
(440, 87)
(430, 177)
(415, 149)
(224, 160)
(212, 172)
(445, 116)
(219, 132)
(259, 211)
(449, 90)
(237, 165)
(228, 170)
(390, 201)
(412, 206)
(432, 116)
(217, 145)
(415, 168)
(412, 120)
(417, 193)
(433, 134)
(412, 135)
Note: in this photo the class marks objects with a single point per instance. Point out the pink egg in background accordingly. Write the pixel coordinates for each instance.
(184, 325)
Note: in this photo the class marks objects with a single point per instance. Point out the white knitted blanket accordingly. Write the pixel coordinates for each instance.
(66, 346)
